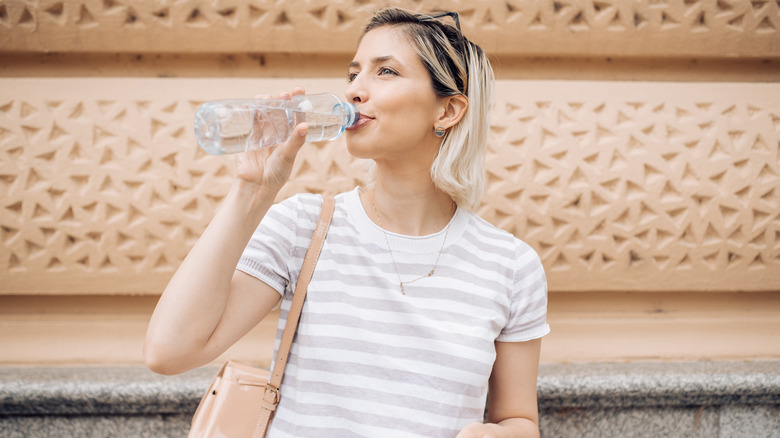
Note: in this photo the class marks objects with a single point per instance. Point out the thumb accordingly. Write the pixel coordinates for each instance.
(289, 150)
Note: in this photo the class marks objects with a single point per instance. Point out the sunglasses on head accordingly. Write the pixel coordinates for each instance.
(453, 15)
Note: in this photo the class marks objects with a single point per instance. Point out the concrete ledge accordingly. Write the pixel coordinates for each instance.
(692, 400)
(659, 384)
(645, 399)
(100, 391)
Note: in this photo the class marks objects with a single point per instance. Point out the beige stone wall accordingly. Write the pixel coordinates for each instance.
(651, 190)
(631, 186)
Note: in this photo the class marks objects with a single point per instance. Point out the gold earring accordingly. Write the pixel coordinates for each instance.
(439, 131)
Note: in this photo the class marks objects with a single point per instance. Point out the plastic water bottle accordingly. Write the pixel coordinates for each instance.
(239, 125)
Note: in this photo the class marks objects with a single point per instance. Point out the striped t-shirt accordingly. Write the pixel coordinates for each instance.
(369, 361)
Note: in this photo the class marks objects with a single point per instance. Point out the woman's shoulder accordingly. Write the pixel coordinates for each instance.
(302, 199)
(479, 225)
(301, 204)
(306, 207)
(499, 236)
(310, 200)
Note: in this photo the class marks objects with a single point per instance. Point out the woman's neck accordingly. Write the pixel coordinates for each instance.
(408, 204)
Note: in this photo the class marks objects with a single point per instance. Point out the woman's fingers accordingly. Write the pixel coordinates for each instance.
(279, 166)
(289, 150)
(273, 166)
(284, 94)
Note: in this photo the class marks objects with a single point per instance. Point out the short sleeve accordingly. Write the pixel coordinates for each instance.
(269, 251)
(528, 309)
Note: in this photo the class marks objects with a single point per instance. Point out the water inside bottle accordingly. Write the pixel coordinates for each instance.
(321, 126)
(234, 128)
(241, 128)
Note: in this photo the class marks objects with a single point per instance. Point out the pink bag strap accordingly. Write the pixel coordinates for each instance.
(271, 397)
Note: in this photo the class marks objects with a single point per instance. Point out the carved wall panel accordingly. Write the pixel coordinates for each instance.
(641, 186)
(709, 28)
(618, 186)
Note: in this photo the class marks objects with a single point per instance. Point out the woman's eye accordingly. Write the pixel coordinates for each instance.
(386, 71)
(351, 77)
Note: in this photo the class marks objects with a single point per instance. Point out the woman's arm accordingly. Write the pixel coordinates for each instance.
(189, 326)
(512, 407)
(208, 305)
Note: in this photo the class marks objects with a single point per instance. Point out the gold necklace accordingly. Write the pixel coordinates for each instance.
(395, 266)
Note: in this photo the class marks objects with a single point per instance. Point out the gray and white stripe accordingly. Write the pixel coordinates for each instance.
(369, 361)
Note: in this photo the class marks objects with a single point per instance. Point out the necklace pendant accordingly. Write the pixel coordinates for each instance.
(390, 250)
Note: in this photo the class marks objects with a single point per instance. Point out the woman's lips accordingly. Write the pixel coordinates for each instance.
(360, 123)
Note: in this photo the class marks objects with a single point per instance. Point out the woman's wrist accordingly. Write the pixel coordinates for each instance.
(255, 198)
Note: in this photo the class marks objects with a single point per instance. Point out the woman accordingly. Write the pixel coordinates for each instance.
(417, 306)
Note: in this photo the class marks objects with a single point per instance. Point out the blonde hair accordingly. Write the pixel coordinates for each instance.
(457, 66)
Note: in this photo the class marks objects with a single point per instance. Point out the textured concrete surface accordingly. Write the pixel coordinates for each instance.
(153, 426)
(716, 399)
(659, 384)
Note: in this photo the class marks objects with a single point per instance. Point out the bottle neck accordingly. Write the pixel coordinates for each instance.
(352, 113)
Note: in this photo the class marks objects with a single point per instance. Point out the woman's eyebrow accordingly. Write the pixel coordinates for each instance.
(374, 61)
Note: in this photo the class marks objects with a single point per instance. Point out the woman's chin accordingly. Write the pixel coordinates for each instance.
(357, 152)
(358, 148)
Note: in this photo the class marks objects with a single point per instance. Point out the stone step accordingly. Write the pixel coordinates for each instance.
(682, 399)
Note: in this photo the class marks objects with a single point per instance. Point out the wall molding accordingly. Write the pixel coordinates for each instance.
(619, 28)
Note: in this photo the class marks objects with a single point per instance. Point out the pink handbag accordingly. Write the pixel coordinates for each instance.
(242, 399)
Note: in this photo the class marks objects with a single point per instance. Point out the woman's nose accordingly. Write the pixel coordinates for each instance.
(356, 93)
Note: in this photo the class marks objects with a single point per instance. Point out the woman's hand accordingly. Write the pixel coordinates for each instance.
(271, 167)
(480, 430)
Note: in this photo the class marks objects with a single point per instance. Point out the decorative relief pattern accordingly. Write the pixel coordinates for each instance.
(667, 186)
(101, 185)
(640, 187)
(575, 27)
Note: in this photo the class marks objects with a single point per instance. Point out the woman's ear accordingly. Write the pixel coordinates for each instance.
(453, 109)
